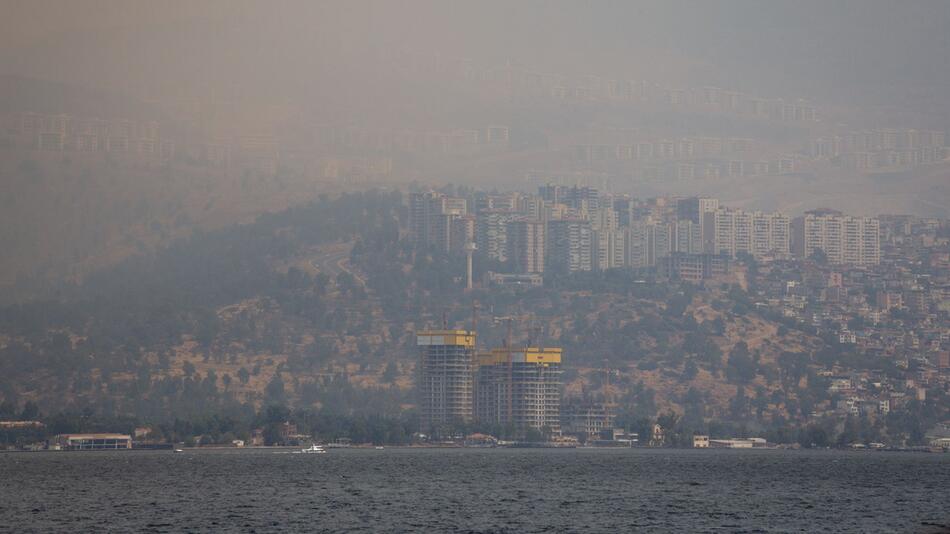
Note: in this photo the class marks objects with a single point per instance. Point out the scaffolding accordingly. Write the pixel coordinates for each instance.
(520, 387)
(446, 376)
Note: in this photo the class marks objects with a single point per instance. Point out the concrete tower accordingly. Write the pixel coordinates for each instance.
(469, 250)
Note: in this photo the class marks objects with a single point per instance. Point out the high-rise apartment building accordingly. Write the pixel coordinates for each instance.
(446, 367)
(419, 204)
(520, 387)
(688, 237)
(733, 231)
(488, 201)
(491, 232)
(771, 234)
(532, 207)
(646, 243)
(462, 231)
(569, 246)
(526, 245)
(577, 197)
(660, 239)
(626, 209)
(693, 208)
(609, 248)
(636, 244)
(604, 218)
(431, 216)
(843, 239)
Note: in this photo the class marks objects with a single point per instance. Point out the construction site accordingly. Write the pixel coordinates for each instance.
(446, 377)
(513, 387)
(519, 387)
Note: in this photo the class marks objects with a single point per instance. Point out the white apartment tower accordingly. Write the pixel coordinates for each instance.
(526, 240)
(645, 243)
(609, 249)
(844, 239)
(569, 245)
(732, 231)
(492, 233)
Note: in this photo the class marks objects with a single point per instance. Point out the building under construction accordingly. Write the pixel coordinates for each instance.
(446, 376)
(519, 387)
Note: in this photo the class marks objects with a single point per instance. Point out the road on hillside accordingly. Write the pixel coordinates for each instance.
(335, 260)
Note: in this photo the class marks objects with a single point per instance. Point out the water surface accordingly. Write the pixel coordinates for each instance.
(476, 490)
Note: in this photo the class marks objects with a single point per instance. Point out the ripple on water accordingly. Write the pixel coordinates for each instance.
(475, 490)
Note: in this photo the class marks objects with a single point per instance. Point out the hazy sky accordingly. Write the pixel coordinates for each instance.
(811, 47)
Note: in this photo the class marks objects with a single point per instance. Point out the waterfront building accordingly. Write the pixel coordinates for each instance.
(17, 425)
(737, 443)
(446, 359)
(520, 387)
(91, 442)
(586, 420)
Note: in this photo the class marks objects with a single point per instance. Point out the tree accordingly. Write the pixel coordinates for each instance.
(210, 383)
(690, 369)
(271, 434)
(533, 435)
(670, 423)
(30, 411)
(851, 433)
(274, 392)
(793, 365)
(243, 375)
(741, 367)
(391, 372)
(814, 435)
(739, 407)
(7, 410)
(761, 401)
(694, 405)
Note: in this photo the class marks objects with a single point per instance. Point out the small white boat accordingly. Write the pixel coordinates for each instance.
(179, 450)
(314, 449)
(379, 447)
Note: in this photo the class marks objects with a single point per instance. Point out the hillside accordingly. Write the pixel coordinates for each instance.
(66, 216)
(283, 311)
